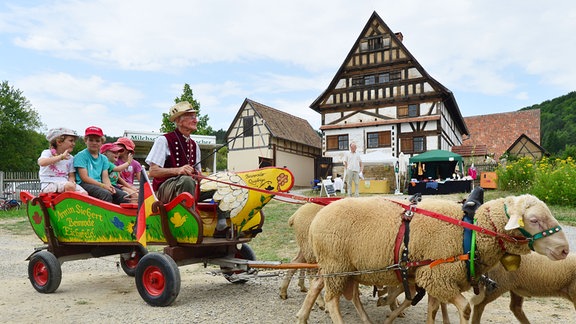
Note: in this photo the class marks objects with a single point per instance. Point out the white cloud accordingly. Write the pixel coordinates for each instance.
(288, 51)
(64, 100)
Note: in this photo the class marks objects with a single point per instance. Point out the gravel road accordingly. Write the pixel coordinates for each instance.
(97, 291)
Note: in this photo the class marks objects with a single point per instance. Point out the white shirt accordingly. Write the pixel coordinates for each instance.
(160, 151)
(353, 161)
(57, 172)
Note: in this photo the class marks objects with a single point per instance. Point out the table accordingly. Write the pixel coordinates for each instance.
(448, 187)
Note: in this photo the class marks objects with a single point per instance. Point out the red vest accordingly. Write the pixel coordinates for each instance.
(182, 152)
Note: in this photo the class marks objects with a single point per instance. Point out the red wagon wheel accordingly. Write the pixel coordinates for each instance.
(44, 272)
(158, 279)
(129, 261)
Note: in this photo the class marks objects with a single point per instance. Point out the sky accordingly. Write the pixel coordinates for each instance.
(120, 64)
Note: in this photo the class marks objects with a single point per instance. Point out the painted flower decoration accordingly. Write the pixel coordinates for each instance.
(282, 180)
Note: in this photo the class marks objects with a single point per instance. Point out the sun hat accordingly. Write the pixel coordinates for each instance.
(54, 133)
(93, 130)
(128, 143)
(110, 147)
(179, 109)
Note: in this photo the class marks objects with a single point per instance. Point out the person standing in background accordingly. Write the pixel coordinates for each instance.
(353, 165)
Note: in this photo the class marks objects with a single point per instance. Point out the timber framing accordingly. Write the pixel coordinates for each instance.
(381, 87)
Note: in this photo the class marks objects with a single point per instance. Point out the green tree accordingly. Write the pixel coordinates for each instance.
(187, 95)
(18, 122)
(222, 159)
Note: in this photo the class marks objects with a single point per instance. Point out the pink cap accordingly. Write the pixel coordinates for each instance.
(110, 147)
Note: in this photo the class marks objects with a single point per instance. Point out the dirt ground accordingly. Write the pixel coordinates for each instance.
(97, 291)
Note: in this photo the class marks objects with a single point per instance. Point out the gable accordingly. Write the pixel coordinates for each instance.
(267, 120)
(379, 72)
(524, 146)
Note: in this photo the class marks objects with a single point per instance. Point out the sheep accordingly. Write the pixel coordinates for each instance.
(537, 276)
(300, 222)
(356, 234)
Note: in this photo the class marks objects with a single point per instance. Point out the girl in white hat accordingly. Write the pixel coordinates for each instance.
(57, 164)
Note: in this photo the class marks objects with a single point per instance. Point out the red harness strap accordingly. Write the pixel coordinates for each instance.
(464, 224)
(397, 244)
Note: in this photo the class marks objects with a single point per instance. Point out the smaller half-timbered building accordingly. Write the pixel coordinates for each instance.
(261, 136)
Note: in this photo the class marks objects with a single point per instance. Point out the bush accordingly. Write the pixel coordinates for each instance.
(516, 176)
(555, 181)
(551, 180)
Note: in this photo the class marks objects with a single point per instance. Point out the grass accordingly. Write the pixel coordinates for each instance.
(276, 242)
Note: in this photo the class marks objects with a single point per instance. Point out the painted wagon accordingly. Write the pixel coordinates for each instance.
(75, 226)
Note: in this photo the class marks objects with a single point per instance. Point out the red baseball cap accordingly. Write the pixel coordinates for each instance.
(93, 130)
(128, 143)
(110, 147)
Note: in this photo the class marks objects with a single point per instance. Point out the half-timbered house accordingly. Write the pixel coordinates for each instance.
(382, 99)
(261, 136)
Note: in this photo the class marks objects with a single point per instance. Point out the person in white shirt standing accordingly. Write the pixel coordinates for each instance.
(353, 165)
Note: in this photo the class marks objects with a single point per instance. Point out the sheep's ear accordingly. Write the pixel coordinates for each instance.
(516, 209)
(515, 221)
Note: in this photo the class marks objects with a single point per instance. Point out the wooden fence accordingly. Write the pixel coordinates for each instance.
(12, 182)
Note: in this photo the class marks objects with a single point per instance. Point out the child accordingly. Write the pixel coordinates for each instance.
(92, 169)
(127, 151)
(57, 164)
(111, 151)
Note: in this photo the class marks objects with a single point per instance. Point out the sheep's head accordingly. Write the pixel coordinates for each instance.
(530, 215)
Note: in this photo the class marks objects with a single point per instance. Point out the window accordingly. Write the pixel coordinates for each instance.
(384, 77)
(357, 81)
(374, 43)
(248, 124)
(265, 162)
(379, 139)
(418, 143)
(369, 79)
(337, 142)
(413, 111)
(395, 75)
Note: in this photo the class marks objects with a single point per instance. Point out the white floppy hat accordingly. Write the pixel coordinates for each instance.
(179, 109)
(54, 133)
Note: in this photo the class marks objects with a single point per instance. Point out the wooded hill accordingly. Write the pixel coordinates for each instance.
(557, 123)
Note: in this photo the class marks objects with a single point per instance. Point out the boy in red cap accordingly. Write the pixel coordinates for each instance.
(92, 169)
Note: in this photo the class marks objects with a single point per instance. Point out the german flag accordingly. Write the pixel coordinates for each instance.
(146, 198)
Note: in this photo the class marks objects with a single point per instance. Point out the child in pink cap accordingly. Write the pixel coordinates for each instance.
(126, 155)
(111, 151)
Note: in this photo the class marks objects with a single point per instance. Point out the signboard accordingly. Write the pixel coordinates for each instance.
(151, 136)
(328, 188)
